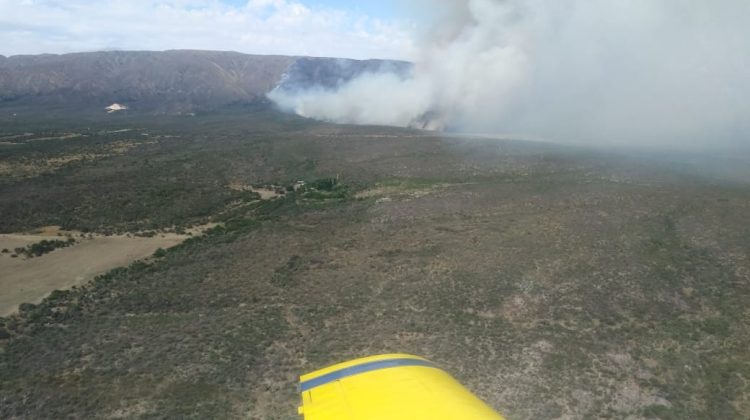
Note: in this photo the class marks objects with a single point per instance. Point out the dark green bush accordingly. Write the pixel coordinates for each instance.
(44, 247)
(324, 184)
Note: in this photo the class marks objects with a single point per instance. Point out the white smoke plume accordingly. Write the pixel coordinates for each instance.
(661, 72)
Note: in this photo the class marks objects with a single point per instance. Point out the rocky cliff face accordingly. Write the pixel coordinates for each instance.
(166, 82)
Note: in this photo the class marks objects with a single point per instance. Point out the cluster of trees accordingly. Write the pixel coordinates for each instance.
(43, 247)
(325, 184)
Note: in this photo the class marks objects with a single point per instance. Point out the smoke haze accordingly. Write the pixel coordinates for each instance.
(636, 72)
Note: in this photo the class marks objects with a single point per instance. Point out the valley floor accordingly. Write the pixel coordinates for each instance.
(554, 282)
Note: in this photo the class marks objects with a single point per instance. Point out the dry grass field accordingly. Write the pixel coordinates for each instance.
(29, 280)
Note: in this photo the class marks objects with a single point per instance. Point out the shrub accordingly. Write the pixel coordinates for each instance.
(325, 184)
(44, 247)
(25, 308)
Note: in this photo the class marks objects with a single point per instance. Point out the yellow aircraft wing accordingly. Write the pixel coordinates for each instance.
(388, 387)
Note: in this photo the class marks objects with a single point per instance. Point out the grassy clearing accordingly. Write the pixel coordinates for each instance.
(80, 260)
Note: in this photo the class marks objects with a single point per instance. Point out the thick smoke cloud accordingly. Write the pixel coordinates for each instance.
(638, 72)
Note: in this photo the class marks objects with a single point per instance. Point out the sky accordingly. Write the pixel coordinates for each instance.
(331, 28)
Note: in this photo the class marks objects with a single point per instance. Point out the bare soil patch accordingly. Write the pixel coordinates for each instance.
(30, 280)
(270, 192)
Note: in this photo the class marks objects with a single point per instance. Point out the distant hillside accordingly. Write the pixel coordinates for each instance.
(173, 82)
(328, 73)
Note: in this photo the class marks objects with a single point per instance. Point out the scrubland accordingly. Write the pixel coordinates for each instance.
(555, 282)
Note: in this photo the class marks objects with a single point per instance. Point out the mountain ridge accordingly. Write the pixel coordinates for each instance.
(168, 82)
